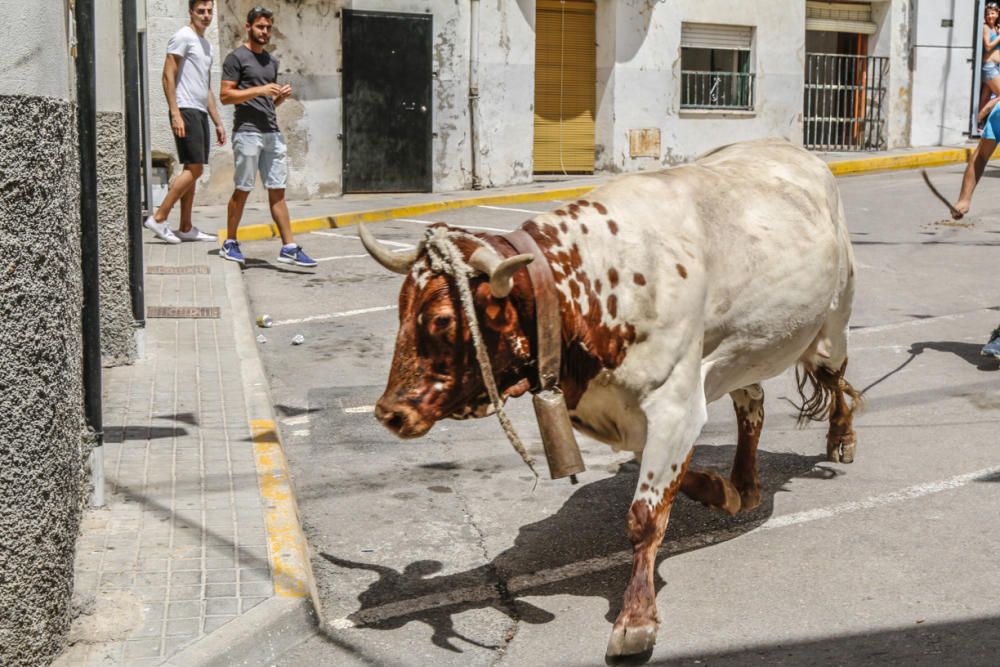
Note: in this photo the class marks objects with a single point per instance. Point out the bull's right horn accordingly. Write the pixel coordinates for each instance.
(500, 271)
(399, 262)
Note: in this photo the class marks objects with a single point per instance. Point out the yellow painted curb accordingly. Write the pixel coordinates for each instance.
(908, 161)
(286, 544)
(261, 232)
(305, 225)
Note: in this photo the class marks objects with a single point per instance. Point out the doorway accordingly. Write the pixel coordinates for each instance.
(565, 86)
(387, 76)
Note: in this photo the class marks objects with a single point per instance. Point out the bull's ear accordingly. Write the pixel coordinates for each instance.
(498, 314)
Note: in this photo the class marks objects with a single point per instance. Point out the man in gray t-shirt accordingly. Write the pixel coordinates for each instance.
(249, 80)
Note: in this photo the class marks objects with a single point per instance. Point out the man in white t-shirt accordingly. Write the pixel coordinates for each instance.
(187, 85)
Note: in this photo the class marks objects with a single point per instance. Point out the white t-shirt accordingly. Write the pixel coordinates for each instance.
(193, 73)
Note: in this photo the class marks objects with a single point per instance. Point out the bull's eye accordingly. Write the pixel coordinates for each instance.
(442, 322)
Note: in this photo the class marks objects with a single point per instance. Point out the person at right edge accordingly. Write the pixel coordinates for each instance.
(249, 80)
(990, 114)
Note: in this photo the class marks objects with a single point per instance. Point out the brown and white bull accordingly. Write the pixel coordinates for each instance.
(676, 288)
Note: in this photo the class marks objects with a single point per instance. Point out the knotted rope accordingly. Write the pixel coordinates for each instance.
(445, 257)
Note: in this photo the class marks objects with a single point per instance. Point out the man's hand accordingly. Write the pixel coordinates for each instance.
(177, 123)
(220, 135)
(286, 91)
(271, 90)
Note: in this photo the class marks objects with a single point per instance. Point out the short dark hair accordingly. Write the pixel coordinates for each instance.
(257, 12)
(193, 3)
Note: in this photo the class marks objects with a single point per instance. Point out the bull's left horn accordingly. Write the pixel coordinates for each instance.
(500, 271)
(399, 262)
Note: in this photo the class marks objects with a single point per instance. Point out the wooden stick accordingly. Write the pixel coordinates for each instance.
(955, 213)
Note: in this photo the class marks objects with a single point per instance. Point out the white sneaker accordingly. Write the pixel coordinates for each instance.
(161, 229)
(195, 235)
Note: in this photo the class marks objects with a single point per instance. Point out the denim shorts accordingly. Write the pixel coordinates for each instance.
(991, 70)
(265, 152)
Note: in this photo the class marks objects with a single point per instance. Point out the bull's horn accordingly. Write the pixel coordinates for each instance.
(399, 262)
(500, 271)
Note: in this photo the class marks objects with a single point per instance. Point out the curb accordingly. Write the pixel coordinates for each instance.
(292, 615)
(261, 232)
(907, 161)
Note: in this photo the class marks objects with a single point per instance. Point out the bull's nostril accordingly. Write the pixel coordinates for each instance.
(394, 421)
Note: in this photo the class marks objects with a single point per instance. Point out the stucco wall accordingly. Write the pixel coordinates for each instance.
(639, 60)
(41, 420)
(117, 326)
(942, 77)
(893, 39)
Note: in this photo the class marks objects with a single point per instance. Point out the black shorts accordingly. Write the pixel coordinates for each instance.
(193, 148)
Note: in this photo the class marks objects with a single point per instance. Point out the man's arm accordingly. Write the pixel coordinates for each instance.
(220, 131)
(170, 67)
(229, 94)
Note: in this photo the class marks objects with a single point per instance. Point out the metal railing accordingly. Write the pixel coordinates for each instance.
(716, 90)
(843, 102)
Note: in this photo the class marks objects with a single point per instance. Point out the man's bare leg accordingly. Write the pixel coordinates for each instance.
(973, 172)
(234, 212)
(187, 203)
(184, 182)
(279, 213)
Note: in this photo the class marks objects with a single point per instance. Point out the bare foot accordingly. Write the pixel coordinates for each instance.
(959, 210)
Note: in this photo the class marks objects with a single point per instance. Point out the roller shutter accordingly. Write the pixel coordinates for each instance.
(565, 86)
(709, 36)
(840, 17)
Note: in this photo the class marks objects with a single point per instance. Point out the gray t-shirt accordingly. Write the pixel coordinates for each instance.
(248, 70)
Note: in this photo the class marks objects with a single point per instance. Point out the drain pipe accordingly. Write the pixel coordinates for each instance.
(86, 100)
(133, 153)
(477, 183)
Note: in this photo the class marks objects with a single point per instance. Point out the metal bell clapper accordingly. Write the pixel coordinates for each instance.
(561, 450)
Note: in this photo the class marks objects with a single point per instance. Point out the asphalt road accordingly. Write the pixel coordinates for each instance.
(440, 551)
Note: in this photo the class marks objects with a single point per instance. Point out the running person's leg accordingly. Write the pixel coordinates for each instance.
(192, 152)
(974, 171)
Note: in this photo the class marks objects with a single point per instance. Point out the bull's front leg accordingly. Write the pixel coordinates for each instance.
(675, 418)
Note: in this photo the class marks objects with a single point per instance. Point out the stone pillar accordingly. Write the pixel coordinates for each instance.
(42, 450)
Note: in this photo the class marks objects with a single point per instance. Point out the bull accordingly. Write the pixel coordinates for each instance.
(674, 288)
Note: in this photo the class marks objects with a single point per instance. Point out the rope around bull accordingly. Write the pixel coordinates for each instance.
(445, 257)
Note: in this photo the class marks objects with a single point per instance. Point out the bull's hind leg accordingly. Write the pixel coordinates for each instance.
(841, 441)
(749, 405)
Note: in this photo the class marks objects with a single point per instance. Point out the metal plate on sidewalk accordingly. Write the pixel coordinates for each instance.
(189, 312)
(200, 269)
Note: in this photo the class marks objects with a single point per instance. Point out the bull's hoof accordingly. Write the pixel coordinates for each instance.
(633, 640)
(840, 449)
(749, 498)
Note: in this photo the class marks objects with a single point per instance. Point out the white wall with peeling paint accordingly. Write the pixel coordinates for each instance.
(942, 73)
(639, 73)
(637, 87)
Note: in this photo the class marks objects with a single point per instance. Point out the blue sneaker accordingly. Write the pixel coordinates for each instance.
(992, 348)
(231, 251)
(294, 255)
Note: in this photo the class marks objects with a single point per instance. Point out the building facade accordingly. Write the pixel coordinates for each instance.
(451, 96)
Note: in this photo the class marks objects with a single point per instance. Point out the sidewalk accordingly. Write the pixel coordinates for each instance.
(198, 550)
(198, 557)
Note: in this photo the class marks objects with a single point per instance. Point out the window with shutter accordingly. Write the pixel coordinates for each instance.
(716, 66)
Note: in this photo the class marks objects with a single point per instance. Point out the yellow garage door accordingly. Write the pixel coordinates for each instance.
(565, 84)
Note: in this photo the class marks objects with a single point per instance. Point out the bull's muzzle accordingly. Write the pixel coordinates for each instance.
(401, 419)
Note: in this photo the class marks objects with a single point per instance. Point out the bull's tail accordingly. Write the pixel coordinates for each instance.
(825, 388)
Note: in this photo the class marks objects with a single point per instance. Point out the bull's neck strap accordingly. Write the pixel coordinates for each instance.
(547, 314)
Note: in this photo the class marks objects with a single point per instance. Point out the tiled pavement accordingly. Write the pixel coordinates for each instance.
(181, 548)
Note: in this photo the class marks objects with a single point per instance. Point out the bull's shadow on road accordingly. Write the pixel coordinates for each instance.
(581, 550)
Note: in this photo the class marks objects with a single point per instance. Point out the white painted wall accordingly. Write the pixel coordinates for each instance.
(942, 75)
(36, 45)
(894, 40)
(109, 68)
(639, 72)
